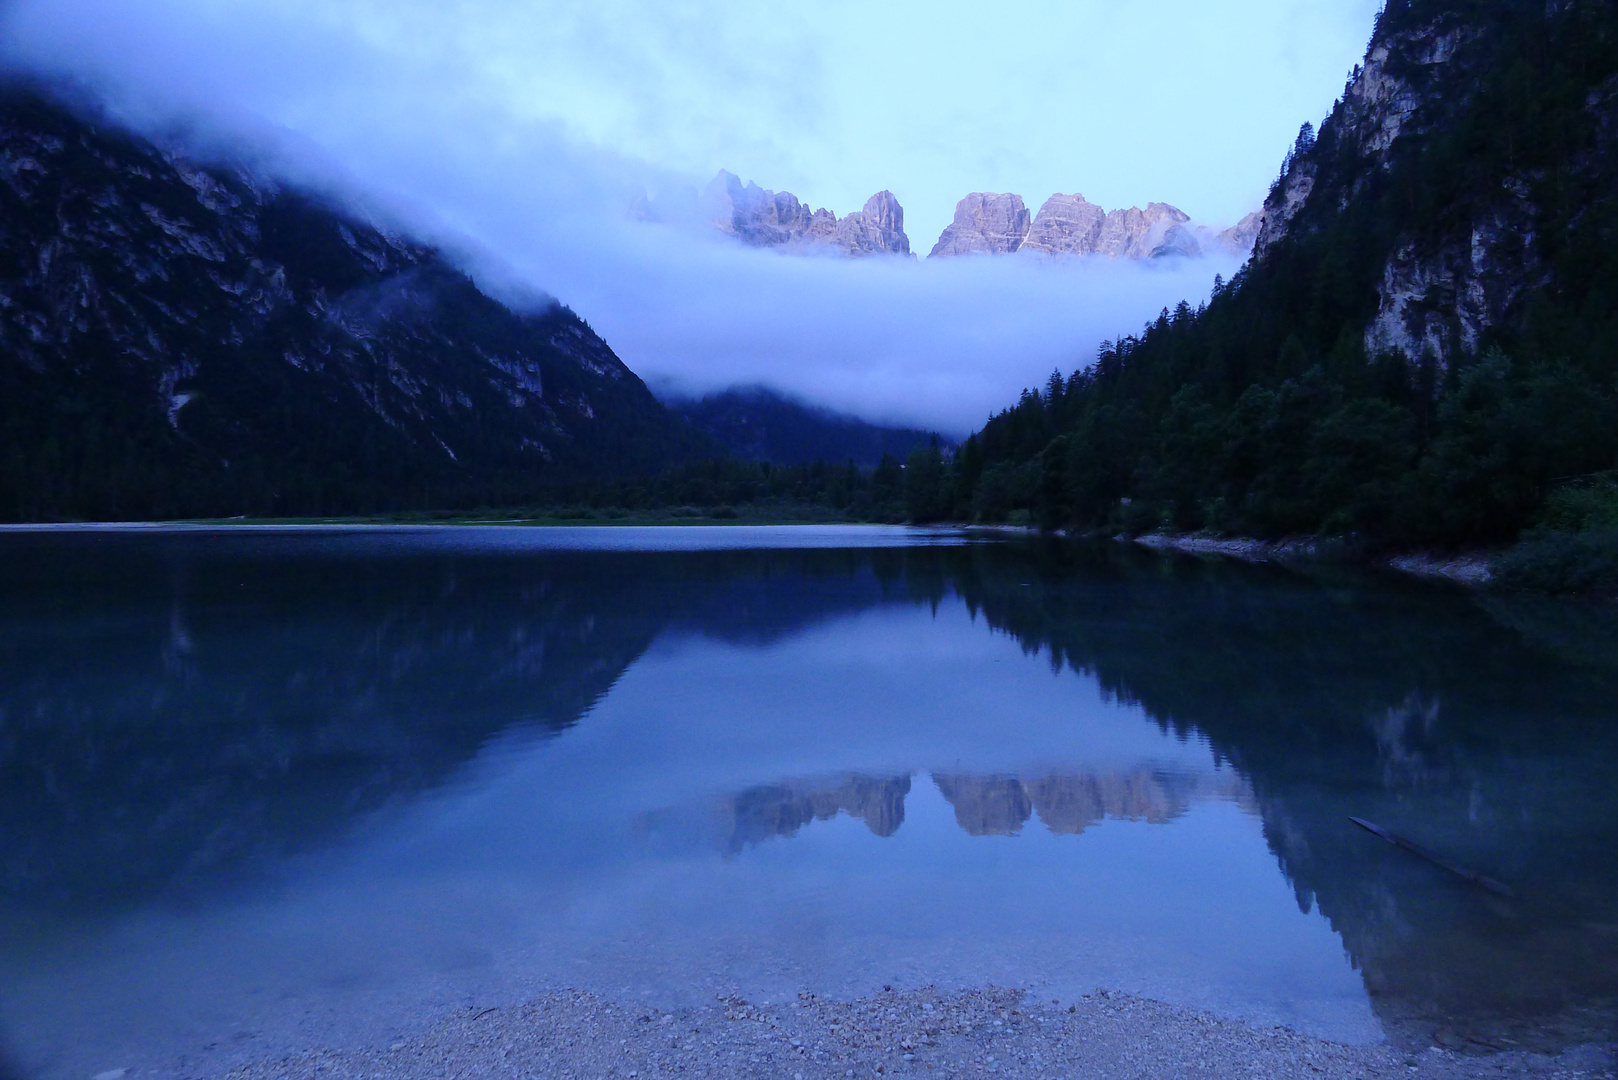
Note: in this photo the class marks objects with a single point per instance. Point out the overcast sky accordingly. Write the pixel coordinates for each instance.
(526, 127)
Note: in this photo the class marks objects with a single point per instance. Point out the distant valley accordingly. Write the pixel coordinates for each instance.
(756, 423)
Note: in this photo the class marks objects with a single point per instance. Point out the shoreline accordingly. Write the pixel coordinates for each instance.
(1468, 569)
(992, 1032)
(265, 524)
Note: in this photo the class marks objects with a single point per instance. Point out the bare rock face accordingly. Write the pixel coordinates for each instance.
(1482, 276)
(1178, 240)
(1066, 225)
(1140, 234)
(1382, 102)
(1240, 237)
(753, 214)
(763, 218)
(1283, 205)
(985, 223)
(1439, 294)
(878, 229)
(1072, 225)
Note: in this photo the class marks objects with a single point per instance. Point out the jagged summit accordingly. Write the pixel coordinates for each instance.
(985, 223)
(763, 218)
(996, 224)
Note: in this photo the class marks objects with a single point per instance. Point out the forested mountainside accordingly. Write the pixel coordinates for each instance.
(756, 423)
(1424, 348)
(180, 340)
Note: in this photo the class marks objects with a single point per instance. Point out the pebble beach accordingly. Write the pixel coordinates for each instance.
(922, 1033)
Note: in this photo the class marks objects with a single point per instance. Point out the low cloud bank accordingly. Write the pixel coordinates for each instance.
(941, 343)
(421, 137)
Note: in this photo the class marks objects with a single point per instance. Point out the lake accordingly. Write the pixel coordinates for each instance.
(266, 788)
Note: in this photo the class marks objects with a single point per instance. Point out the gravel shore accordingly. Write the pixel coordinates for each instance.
(1471, 570)
(922, 1033)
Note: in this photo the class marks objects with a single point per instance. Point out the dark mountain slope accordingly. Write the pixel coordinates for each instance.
(179, 340)
(758, 424)
(1425, 344)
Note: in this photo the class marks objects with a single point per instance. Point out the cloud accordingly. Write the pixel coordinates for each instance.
(942, 343)
(425, 110)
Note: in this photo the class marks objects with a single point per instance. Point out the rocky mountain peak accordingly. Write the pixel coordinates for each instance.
(1072, 225)
(985, 223)
(753, 214)
(760, 217)
(1066, 223)
(877, 229)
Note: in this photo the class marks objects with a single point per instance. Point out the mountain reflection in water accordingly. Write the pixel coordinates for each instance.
(1067, 805)
(184, 717)
(983, 805)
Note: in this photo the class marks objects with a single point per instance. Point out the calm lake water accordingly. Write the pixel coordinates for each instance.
(260, 789)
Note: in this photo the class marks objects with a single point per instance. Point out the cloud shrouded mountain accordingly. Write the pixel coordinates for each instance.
(180, 340)
(371, 106)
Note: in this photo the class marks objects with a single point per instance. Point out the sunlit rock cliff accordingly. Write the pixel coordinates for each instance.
(985, 223)
(999, 224)
(763, 218)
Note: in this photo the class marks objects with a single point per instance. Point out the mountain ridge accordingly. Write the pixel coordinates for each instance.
(763, 218)
(986, 223)
(758, 423)
(999, 224)
(190, 340)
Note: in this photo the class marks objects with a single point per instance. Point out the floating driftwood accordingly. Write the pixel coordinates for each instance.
(1482, 881)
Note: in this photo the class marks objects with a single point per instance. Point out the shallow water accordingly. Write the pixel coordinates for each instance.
(269, 788)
